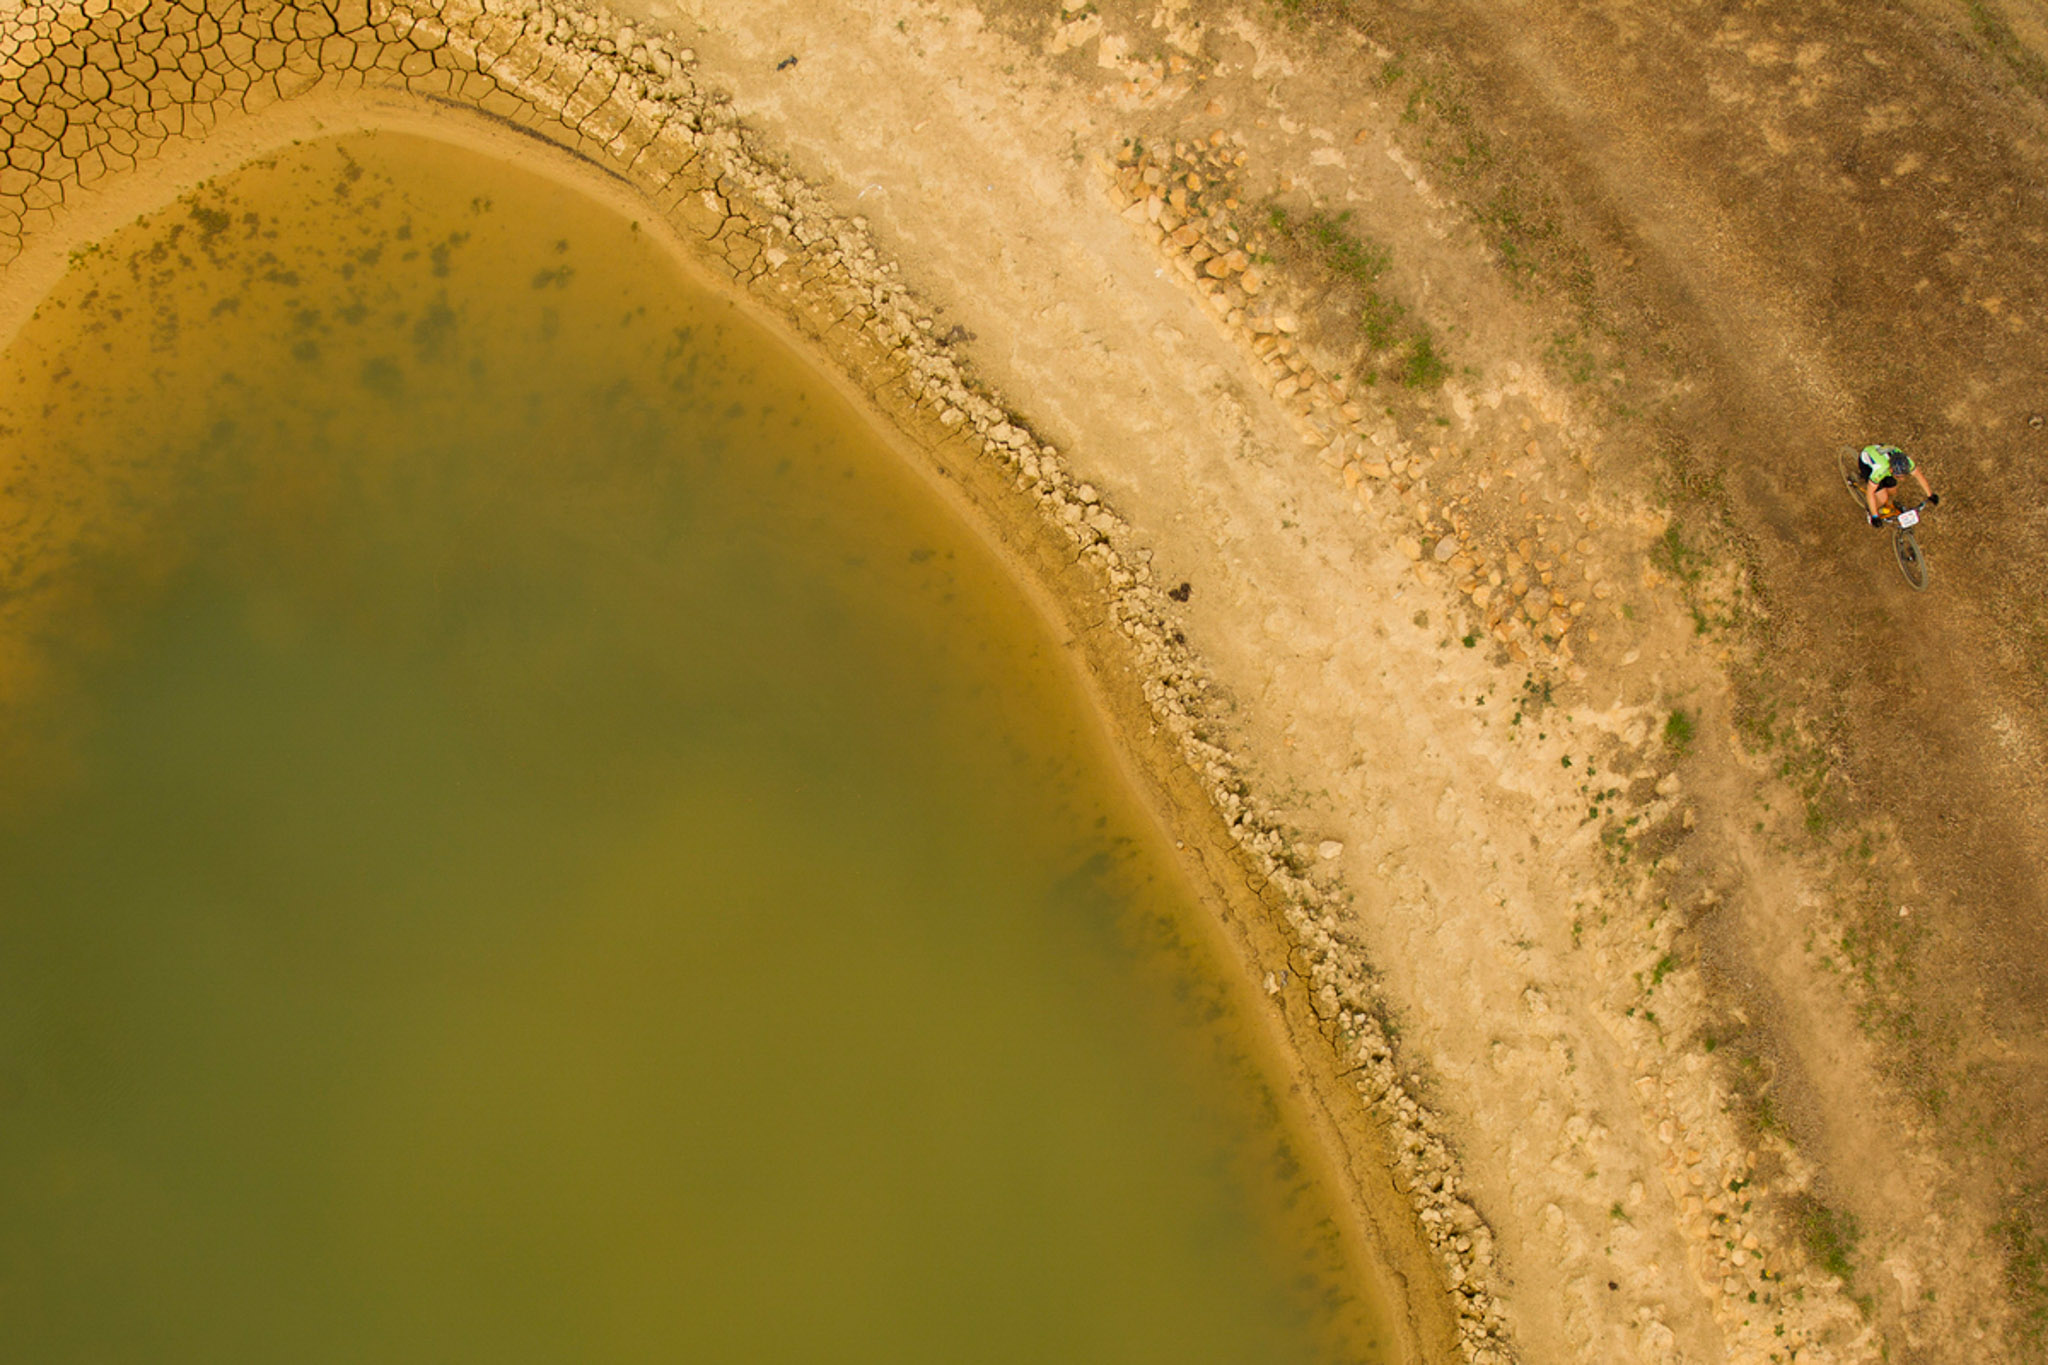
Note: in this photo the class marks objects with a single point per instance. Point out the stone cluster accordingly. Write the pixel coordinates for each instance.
(1521, 580)
(1770, 1304)
(91, 88)
(1429, 1171)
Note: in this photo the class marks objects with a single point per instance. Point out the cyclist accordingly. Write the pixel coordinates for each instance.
(1880, 467)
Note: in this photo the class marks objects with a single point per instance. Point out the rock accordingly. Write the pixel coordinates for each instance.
(1286, 322)
(1329, 850)
(1445, 548)
(1411, 547)
(1251, 281)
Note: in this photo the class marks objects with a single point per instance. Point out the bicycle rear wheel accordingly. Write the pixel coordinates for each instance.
(1846, 458)
(1911, 563)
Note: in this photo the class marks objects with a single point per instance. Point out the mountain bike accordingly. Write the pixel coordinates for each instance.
(1905, 545)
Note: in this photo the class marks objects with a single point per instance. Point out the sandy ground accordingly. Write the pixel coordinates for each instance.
(1691, 861)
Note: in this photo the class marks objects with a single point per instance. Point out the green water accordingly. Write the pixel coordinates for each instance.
(524, 835)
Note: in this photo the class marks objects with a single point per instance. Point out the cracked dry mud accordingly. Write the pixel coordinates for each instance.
(1423, 417)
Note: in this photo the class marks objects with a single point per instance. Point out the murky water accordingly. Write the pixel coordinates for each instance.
(525, 836)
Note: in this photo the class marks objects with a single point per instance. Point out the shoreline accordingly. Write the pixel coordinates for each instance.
(769, 244)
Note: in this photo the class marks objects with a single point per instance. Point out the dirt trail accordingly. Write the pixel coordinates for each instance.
(1881, 171)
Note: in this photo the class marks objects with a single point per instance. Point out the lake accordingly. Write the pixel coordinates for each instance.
(527, 833)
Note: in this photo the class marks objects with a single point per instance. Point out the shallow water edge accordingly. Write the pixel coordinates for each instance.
(736, 221)
(380, 438)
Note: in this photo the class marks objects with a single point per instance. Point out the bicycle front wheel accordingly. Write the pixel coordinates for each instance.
(1911, 563)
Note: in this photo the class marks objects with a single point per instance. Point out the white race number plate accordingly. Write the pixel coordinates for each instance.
(1909, 518)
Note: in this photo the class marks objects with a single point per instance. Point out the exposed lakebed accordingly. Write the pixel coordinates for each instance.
(528, 832)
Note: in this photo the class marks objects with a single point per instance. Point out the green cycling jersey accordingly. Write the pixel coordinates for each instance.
(1879, 463)
(1881, 468)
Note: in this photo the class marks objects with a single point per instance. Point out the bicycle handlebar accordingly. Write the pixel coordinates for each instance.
(1891, 512)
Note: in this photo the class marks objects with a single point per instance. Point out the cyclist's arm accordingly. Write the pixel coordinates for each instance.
(1922, 479)
(1870, 497)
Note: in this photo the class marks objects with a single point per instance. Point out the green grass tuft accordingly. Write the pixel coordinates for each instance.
(1830, 1236)
(1380, 322)
(2022, 1236)
(1424, 368)
(1356, 266)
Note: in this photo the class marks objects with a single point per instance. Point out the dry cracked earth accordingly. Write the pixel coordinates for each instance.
(1445, 404)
